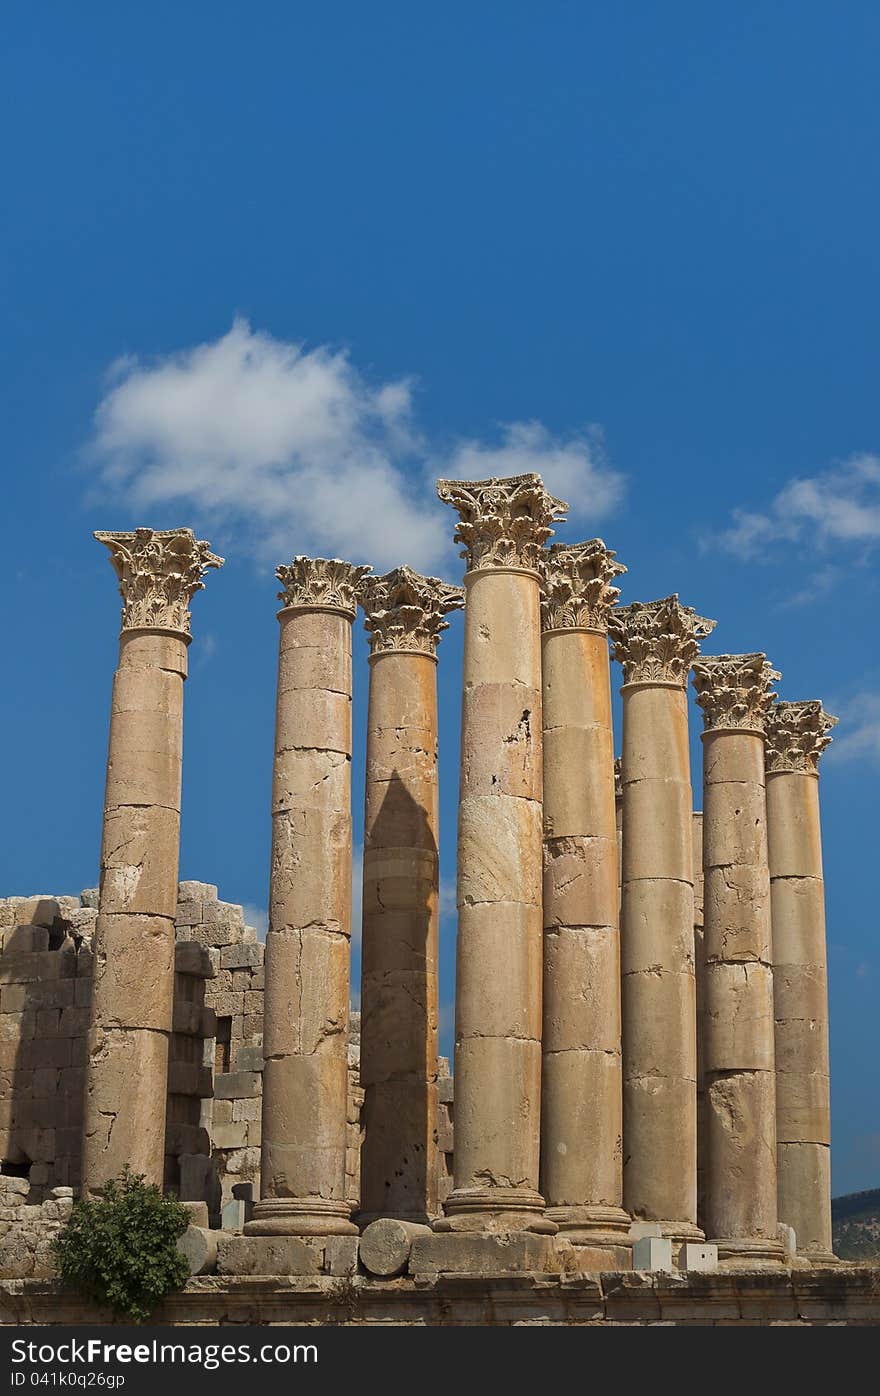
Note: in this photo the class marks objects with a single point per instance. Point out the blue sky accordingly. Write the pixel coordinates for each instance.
(268, 270)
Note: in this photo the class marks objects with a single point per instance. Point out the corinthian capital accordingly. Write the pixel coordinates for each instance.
(577, 588)
(795, 735)
(320, 584)
(657, 641)
(734, 690)
(159, 571)
(404, 611)
(502, 522)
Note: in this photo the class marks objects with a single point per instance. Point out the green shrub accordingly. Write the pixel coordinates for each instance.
(121, 1249)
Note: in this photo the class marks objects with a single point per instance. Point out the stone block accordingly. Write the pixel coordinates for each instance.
(25, 940)
(249, 1059)
(471, 1253)
(14, 998)
(267, 1255)
(193, 959)
(445, 1090)
(196, 1174)
(233, 1085)
(241, 956)
(340, 1255)
(247, 1108)
(198, 1212)
(90, 897)
(701, 1257)
(235, 1213)
(653, 1253)
(196, 892)
(231, 1136)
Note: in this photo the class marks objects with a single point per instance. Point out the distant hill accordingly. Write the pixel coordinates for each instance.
(855, 1221)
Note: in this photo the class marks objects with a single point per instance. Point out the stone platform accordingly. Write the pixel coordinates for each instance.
(839, 1295)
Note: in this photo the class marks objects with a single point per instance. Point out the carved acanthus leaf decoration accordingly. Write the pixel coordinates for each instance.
(577, 585)
(320, 583)
(404, 610)
(618, 777)
(795, 736)
(734, 690)
(657, 641)
(502, 522)
(159, 571)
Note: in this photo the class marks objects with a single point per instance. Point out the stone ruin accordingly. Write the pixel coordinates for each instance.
(641, 1045)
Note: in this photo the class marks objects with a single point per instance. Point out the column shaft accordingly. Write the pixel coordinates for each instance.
(499, 960)
(581, 1090)
(132, 999)
(740, 1098)
(657, 952)
(306, 1010)
(657, 642)
(796, 737)
(398, 1068)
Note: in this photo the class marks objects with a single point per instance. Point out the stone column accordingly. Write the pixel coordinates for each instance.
(581, 1089)
(398, 1065)
(740, 1098)
(308, 961)
(796, 735)
(127, 1070)
(503, 524)
(656, 642)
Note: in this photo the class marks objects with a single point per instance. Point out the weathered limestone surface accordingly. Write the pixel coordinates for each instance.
(657, 643)
(305, 1045)
(796, 734)
(802, 1298)
(741, 1217)
(502, 524)
(399, 1004)
(131, 1023)
(581, 1089)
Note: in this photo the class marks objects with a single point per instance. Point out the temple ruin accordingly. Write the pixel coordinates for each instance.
(640, 1083)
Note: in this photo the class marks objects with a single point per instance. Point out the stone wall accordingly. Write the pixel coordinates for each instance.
(213, 1127)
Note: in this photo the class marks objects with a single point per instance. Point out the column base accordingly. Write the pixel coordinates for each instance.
(749, 1253)
(496, 1211)
(819, 1257)
(599, 1235)
(300, 1216)
(675, 1231)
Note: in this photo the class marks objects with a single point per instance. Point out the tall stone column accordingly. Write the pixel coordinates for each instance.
(740, 1098)
(308, 959)
(398, 1067)
(581, 1089)
(126, 1074)
(503, 524)
(796, 734)
(657, 642)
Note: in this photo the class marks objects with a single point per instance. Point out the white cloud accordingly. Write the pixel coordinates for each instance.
(858, 736)
(838, 505)
(291, 450)
(575, 469)
(258, 917)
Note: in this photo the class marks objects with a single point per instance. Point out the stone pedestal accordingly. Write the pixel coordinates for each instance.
(503, 524)
(796, 734)
(656, 643)
(740, 1101)
(127, 1069)
(398, 1063)
(305, 1031)
(581, 1090)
